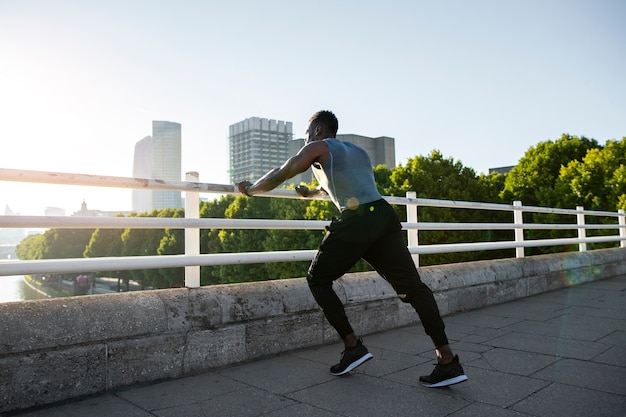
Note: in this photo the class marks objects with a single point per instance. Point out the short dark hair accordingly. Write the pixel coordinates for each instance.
(327, 119)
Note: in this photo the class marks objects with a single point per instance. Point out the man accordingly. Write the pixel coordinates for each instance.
(368, 228)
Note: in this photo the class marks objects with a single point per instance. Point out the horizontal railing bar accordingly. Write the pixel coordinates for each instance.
(550, 210)
(429, 202)
(49, 177)
(62, 178)
(78, 265)
(503, 226)
(78, 222)
(479, 246)
(571, 241)
(147, 262)
(460, 204)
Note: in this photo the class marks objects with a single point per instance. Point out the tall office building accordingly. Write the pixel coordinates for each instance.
(166, 162)
(158, 157)
(256, 146)
(142, 168)
(381, 150)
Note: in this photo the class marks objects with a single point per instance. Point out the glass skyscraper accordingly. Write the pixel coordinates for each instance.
(158, 157)
(142, 168)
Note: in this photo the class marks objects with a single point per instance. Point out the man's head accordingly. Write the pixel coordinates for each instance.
(322, 125)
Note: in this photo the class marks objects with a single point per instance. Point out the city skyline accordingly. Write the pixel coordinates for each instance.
(481, 81)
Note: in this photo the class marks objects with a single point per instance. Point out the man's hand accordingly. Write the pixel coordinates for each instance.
(305, 191)
(243, 187)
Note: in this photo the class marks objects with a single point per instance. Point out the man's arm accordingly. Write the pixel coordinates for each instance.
(292, 167)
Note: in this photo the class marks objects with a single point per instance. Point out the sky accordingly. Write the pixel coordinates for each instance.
(481, 81)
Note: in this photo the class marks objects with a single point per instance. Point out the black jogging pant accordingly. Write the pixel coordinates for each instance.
(372, 232)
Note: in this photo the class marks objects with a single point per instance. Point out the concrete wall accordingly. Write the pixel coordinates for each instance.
(56, 349)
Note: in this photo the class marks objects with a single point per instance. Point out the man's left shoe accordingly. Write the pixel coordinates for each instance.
(351, 358)
(445, 375)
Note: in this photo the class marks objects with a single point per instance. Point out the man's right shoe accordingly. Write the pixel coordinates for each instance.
(445, 375)
(351, 358)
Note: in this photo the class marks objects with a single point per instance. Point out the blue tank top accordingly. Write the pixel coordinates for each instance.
(347, 176)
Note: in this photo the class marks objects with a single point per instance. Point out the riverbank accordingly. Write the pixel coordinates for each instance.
(56, 287)
(39, 286)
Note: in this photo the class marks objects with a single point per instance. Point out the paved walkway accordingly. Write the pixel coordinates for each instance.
(561, 353)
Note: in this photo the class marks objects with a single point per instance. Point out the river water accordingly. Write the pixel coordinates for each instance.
(14, 288)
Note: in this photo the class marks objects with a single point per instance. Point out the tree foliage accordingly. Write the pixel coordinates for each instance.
(533, 180)
(597, 181)
(31, 247)
(568, 172)
(438, 177)
(55, 244)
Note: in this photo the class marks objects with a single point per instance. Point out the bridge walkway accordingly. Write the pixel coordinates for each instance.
(561, 353)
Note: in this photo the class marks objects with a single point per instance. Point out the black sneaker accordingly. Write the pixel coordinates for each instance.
(351, 358)
(445, 375)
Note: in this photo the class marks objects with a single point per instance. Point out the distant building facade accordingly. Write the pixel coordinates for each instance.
(10, 238)
(86, 212)
(142, 168)
(501, 170)
(158, 157)
(257, 145)
(381, 150)
(54, 211)
(166, 162)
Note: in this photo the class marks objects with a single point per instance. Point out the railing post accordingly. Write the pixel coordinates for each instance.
(192, 235)
(518, 218)
(411, 217)
(582, 233)
(622, 230)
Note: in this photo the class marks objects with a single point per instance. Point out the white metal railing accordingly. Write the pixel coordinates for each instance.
(192, 259)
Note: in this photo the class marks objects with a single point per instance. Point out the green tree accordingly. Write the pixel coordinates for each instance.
(281, 240)
(434, 176)
(141, 242)
(237, 241)
(104, 242)
(210, 241)
(31, 247)
(533, 179)
(55, 244)
(616, 175)
(172, 243)
(382, 176)
(66, 243)
(597, 182)
(151, 242)
(491, 185)
(437, 177)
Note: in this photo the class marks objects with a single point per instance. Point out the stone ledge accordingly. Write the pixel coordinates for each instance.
(56, 349)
